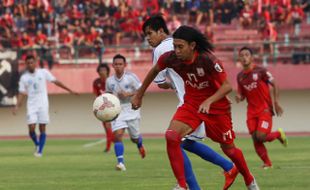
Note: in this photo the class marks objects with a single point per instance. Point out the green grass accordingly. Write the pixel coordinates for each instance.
(67, 165)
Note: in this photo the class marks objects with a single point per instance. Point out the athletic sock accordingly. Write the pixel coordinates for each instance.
(262, 152)
(109, 136)
(272, 136)
(42, 142)
(208, 154)
(139, 144)
(33, 137)
(175, 156)
(189, 174)
(119, 151)
(236, 156)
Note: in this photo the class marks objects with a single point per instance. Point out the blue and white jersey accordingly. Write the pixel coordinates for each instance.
(34, 85)
(129, 82)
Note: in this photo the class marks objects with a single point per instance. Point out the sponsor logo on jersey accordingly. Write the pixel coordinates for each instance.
(197, 85)
(218, 68)
(251, 86)
(200, 72)
(255, 76)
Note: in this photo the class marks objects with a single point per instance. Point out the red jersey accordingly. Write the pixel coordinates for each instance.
(253, 85)
(98, 86)
(202, 78)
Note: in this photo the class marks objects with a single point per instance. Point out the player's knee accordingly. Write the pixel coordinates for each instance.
(118, 137)
(134, 140)
(173, 137)
(187, 143)
(259, 138)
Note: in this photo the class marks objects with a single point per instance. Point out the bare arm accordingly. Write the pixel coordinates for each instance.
(220, 93)
(275, 93)
(136, 101)
(20, 100)
(61, 85)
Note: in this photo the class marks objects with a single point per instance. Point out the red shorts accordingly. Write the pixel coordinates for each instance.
(261, 122)
(218, 126)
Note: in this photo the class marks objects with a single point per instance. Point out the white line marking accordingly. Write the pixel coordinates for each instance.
(88, 145)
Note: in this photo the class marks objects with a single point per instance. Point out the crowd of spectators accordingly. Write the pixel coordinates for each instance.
(42, 24)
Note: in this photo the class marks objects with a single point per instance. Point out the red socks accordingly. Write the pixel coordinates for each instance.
(272, 136)
(236, 156)
(109, 136)
(175, 156)
(262, 152)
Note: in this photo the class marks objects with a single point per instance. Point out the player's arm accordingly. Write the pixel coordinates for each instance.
(275, 93)
(61, 85)
(20, 99)
(136, 100)
(239, 97)
(224, 89)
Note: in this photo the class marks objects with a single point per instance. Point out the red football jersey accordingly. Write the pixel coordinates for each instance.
(254, 86)
(202, 78)
(98, 86)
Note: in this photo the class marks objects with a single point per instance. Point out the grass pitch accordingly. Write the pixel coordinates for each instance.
(68, 165)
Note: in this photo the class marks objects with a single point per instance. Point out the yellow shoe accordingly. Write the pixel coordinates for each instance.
(283, 138)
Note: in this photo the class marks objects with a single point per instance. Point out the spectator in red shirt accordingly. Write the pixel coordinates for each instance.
(246, 17)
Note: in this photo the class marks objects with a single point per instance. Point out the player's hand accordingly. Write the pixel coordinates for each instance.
(238, 98)
(205, 106)
(278, 109)
(14, 110)
(136, 102)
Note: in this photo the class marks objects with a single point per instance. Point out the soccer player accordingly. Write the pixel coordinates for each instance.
(205, 100)
(124, 84)
(157, 34)
(253, 84)
(103, 71)
(33, 85)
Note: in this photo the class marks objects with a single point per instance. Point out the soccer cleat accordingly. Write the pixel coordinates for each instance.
(120, 167)
(106, 150)
(267, 166)
(178, 187)
(142, 152)
(283, 138)
(38, 155)
(253, 185)
(230, 177)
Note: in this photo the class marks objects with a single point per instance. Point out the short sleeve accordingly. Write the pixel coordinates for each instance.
(161, 77)
(135, 81)
(161, 63)
(108, 86)
(49, 76)
(218, 73)
(22, 86)
(266, 76)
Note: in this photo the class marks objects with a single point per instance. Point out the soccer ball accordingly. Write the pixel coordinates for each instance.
(106, 107)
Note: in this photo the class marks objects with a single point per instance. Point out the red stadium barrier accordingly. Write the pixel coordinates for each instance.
(289, 77)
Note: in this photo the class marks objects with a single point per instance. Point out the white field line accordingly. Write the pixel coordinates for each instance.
(88, 145)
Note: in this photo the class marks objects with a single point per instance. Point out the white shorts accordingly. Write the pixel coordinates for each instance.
(38, 116)
(131, 125)
(198, 135)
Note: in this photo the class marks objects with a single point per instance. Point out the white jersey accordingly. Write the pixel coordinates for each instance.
(129, 82)
(34, 85)
(165, 46)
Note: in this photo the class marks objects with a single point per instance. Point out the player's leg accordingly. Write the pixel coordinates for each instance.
(220, 130)
(119, 148)
(189, 174)
(265, 126)
(109, 135)
(42, 138)
(192, 144)
(135, 136)
(33, 135)
(174, 134)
